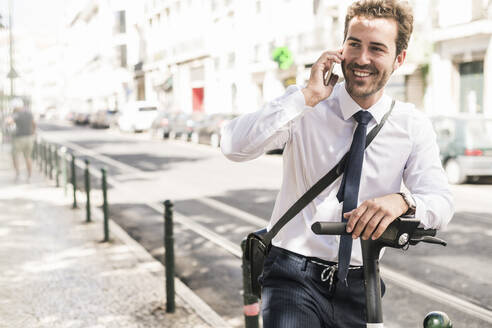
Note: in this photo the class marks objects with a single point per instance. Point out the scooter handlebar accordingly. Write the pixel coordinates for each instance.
(398, 234)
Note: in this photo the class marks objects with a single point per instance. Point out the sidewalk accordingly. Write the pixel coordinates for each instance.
(56, 272)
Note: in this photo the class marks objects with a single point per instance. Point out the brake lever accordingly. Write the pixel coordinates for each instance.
(429, 240)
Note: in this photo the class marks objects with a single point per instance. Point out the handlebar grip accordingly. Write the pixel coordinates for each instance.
(330, 228)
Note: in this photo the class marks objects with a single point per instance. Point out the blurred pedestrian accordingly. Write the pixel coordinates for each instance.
(23, 128)
(318, 281)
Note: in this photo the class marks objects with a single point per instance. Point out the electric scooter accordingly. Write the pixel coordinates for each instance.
(401, 233)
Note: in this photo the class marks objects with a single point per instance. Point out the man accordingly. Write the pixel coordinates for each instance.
(316, 125)
(23, 138)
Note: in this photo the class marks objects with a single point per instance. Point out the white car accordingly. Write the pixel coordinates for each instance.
(137, 116)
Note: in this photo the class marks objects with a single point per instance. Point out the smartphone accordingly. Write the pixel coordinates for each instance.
(328, 73)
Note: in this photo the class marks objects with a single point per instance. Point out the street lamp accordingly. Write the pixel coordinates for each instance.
(12, 73)
(2, 96)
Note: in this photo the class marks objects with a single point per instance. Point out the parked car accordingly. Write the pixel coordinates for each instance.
(172, 126)
(160, 125)
(103, 118)
(181, 126)
(137, 116)
(465, 144)
(207, 131)
(81, 118)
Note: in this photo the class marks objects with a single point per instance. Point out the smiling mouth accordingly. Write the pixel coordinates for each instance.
(361, 73)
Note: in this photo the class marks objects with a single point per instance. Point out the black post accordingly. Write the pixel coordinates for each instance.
(51, 155)
(87, 191)
(74, 182)
(57, 167)
(40, 154)
(40, 159)
(105, 205)
(251, 304)
(169, 254)
(46, 160)
(66, 177)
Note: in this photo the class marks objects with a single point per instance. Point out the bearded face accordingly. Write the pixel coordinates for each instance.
(369, 57)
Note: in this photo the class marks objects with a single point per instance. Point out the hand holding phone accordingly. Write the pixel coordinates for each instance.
(322, 80)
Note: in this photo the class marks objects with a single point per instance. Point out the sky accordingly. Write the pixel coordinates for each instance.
(35, 17)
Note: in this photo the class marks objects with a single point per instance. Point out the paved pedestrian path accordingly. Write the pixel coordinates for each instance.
(56, 272)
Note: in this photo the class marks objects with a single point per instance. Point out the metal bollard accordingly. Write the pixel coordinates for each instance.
(57, 167)
(105, 205)
(41, 155)
(65, 176)
(251, 306)
(52, 158)
(87, 177)
(74, 182)
(45, 159)
(48, 161)
(169, 255)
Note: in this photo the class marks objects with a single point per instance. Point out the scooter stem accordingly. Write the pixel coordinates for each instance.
(372, 282)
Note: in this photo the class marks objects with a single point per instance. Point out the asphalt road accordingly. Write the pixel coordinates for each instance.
(218, 195)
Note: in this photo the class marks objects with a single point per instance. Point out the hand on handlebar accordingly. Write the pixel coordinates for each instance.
(372, 217)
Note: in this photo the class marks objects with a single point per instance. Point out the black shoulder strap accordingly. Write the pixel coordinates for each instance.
(321, 185)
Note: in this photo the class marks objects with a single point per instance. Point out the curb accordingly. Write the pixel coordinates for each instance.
(202, 309)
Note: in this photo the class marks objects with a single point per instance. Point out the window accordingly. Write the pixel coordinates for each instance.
(140, 88)
(147, 109)
(119, 22)
(215, 5)
(231, 58)
(471, 87)
(315, 6)
(256, 55)
(121, 55)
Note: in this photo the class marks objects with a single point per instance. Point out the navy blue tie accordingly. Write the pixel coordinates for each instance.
(349, 189)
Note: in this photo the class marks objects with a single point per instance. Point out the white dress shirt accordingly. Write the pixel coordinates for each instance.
(316, 138)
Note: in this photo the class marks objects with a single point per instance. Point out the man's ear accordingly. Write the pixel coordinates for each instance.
(400, 59)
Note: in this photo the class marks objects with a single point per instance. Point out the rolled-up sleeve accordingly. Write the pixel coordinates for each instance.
(250, 135)
(425, 178)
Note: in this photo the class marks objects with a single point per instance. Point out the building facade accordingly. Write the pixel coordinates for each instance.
(461, 65)
(208, 56)
(101, 49)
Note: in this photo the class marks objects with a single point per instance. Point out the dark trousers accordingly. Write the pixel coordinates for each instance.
(294, 294)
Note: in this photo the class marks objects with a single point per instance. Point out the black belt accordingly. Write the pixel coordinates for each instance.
(326, 269)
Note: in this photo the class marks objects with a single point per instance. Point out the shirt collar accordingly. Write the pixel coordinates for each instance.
(349, 107)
